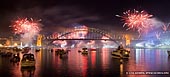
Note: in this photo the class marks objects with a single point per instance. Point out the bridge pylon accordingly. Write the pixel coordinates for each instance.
(39, 40)
(128, 40)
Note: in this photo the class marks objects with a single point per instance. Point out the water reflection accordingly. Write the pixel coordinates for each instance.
(95, 64)
(147, 60)
(28, 72)
(84, 65)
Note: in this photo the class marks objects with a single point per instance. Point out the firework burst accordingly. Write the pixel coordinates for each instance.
(27, 28)
(22, 26)
(139, 20)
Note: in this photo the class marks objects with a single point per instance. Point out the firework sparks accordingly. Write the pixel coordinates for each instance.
(139, 20)
(164, 27)
(77, 32)
(157, 34)
(26, 28)
(61, 43)
(24, 25)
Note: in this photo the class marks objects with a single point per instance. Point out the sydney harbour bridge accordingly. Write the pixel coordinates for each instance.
(107, 39)
(83, 36)
(89, 36)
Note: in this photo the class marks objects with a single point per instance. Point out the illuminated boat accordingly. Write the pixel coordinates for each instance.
(168, 53)
(15, 58)
(61, 52)
(85, 51)
(28, 60)
(37, 50)
(121, 53)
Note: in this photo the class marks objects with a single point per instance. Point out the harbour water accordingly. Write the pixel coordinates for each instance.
(99, 63)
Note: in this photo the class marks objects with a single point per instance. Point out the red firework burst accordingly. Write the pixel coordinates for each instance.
(139, 20)
(21, 26)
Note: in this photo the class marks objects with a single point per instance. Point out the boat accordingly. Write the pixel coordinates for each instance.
(37, 50)
(61, 52)
(28, 60)
(85, 51)
(168, 53)
(121, 53)
(15, 58)
(6, 54)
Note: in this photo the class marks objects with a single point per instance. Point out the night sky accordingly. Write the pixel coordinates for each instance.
(59, 14)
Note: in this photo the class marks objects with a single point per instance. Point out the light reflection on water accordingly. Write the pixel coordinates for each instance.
(96, 64)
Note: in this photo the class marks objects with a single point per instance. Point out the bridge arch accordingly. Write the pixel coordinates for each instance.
(108, 36)
(93, 30)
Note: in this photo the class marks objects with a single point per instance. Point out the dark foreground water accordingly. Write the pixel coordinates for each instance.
(100, 63)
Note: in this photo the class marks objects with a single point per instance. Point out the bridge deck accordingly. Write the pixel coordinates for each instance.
(93, 39)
